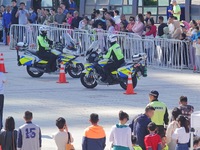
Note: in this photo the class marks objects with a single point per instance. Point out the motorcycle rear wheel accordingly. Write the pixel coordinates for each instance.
(76, 72)
(89, 83)
(123, 83)
(34, 74)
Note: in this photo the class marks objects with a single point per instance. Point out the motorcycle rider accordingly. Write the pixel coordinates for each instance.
(115, 53)
(44, 49)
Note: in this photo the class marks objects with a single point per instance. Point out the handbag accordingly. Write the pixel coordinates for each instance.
(69, 146)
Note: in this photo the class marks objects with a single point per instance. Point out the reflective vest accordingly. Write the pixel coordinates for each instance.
(117, 52)
(160, 109)
(137, 147)
(42, 42)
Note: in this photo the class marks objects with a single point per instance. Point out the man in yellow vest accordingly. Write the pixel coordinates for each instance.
(161, 116)
(115, 53)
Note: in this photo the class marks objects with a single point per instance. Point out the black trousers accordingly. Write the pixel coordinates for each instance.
(1, 110)
(51, 58)
(7, 30)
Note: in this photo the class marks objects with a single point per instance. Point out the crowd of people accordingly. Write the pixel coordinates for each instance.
(150, 130)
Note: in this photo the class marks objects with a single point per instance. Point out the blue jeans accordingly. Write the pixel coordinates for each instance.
(182, 146)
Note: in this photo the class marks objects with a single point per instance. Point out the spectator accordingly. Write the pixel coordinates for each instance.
(139, 125)
(65, 11)
(59, 17)
(63, 136)
(108, 16)
(110, 26)
(172, 127)
(13, 12)
(72, 6)
(135, 146)
(192, 30)
(131, 24)
(1, 27)
(117, 17)
(22, 14)
(2, 82)
(8, 137)
(148, 16)
(161, 26)
(42, 16)
(160, 116)
(120, 135)
(184, 29)
(7, 22)
(182, 134)
(52, 16)
(196, 143)
(123, 20)
(69, 18)
(122, 27)
(76, 20)
(186, 109)
(153, 140)
(166, 34)
(176, 10)
(138, 28)
(94, 136)
(171, 25)
(153, 29)
(3, 9)
(85, 23)
(29, 134)
(32, 15)
(177, 30)
(164, 143)
(197, 55)
(48, 16)
(98, 20)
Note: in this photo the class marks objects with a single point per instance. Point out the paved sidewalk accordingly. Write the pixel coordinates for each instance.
(49, 100)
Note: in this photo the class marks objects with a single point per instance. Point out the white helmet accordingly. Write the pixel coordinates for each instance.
(112, 38)
(43, 29)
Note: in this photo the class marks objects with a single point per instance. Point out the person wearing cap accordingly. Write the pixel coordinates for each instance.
(14, 19)
(176, 10)
(161, 116)
(94, 136)
(29, 135)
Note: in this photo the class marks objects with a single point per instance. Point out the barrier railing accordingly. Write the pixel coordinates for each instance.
(163, 53)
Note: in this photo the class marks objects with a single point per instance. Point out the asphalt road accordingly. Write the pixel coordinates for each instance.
(49, 100)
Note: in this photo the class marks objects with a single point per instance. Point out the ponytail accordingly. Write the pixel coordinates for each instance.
(184, 122)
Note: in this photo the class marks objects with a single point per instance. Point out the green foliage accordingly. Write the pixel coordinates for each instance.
(150, 2)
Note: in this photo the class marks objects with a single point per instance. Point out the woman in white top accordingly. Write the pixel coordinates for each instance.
(172, 127)
(182, 134)
(120, 135)
(110, 26)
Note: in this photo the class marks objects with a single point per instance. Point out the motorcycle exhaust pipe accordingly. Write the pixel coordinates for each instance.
(32, 69)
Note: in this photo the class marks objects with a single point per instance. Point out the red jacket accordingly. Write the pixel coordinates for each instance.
(152, 31)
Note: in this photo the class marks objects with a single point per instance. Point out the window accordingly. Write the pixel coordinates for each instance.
(89, 9)
(102, 2)
(163, 3)
(47, 3)
(150, 2)
(195, 2)
(153, 10)
(90, 2)
(114, 2)
(127, 9)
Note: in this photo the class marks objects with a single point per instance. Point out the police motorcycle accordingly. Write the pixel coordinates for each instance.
(92, 75)
(36, 67)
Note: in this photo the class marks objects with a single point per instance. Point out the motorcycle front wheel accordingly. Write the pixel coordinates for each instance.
(88, 82)
(35, 73)
(123, 82)
(75, 72)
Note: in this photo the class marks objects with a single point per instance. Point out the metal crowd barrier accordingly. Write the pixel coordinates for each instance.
(162, 53)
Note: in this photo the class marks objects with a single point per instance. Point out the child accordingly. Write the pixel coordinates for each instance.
(94, 136)
(164, 143)
(62, 137)
(100, 34)
(135, 146)
(196, 143)
(197, 55)
(182, 134)
(186, 109)
(153, 140)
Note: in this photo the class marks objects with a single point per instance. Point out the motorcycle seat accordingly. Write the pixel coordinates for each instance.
(33, 52)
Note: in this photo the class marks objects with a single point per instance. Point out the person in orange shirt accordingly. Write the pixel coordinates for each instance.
(94, 136)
